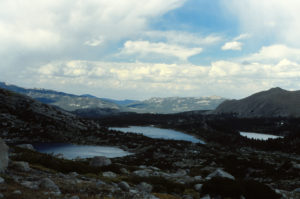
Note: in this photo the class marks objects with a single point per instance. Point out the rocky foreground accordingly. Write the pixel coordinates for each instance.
(185, 171)
(157, 169)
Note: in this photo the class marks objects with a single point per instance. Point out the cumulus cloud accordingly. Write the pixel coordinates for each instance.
(41, 30)
(233, 45)
(50, 45)
(220, 77)
(143, 48)
(274, 53)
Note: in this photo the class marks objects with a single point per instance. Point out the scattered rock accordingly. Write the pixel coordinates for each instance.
(297, 190)
(198, 187)
(197, 178)
(47, 183)
(30, 185)
(180, 173)
(100, 161)
(2, 180)
(124, 171)
(124, 186)
(3, 156)
(220, 173)
(154, 168)
(1, 195)
(295, 165)
(144, 187)
(109, 174)
(26, 146)
(150, 197)
(141, 173)
(187, 197)
(100, 183)
(184, 179)
(74, 197)
(21, 166)
(143, 167)
(17, 192)
(74, 174)
(206, 197)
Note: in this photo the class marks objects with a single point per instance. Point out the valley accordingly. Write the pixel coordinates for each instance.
(228, 165)
(149, 99)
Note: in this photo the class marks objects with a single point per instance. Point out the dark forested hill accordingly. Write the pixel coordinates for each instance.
(275, 102)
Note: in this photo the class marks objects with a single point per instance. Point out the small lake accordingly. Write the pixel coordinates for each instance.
(259, 136)
(71, 151)
(154, 132)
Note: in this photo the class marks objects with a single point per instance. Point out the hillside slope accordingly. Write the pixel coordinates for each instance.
(23, 118)
(275, 102)
(63, 100)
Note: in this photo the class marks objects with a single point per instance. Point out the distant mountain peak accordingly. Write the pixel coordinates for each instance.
(275, 102)
(277, 89)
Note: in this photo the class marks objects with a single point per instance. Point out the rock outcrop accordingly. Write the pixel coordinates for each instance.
(47, 183)
(220, 173)
(20, 166)
(3, 156)
(99, 161)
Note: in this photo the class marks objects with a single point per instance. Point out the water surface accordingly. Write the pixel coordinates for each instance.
(71, 151)
(259, 136)
(154, 132)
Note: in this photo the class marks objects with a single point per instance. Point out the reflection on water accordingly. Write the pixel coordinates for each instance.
(154, 132)
(259, 136)
(70, 151)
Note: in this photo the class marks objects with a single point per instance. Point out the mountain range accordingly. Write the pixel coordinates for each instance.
(87, 104)
(63, 100)
(275, 102)
(175, 104)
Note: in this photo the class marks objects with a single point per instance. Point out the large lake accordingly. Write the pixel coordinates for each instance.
(259, 136)
(70, 151)
(154, 132)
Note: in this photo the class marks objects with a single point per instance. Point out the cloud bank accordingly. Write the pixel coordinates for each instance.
(116, 49)
(179, 79)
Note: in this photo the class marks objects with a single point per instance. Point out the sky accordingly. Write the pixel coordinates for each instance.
(137, 49)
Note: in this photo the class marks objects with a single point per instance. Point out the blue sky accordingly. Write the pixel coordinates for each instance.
(139, 49)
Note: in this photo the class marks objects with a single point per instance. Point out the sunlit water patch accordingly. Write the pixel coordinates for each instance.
(259, 136)
(70, 151)
(154, 132)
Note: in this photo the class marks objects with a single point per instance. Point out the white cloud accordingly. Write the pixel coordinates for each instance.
(94, 42)
(143, 48)
(233, 45)
(266, 19)
(242, 36)
(183, 38)
(55, 28)
(142, 80)
(274, 53)
(34, 32)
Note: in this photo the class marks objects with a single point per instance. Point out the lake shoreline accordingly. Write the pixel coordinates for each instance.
(155, 132)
